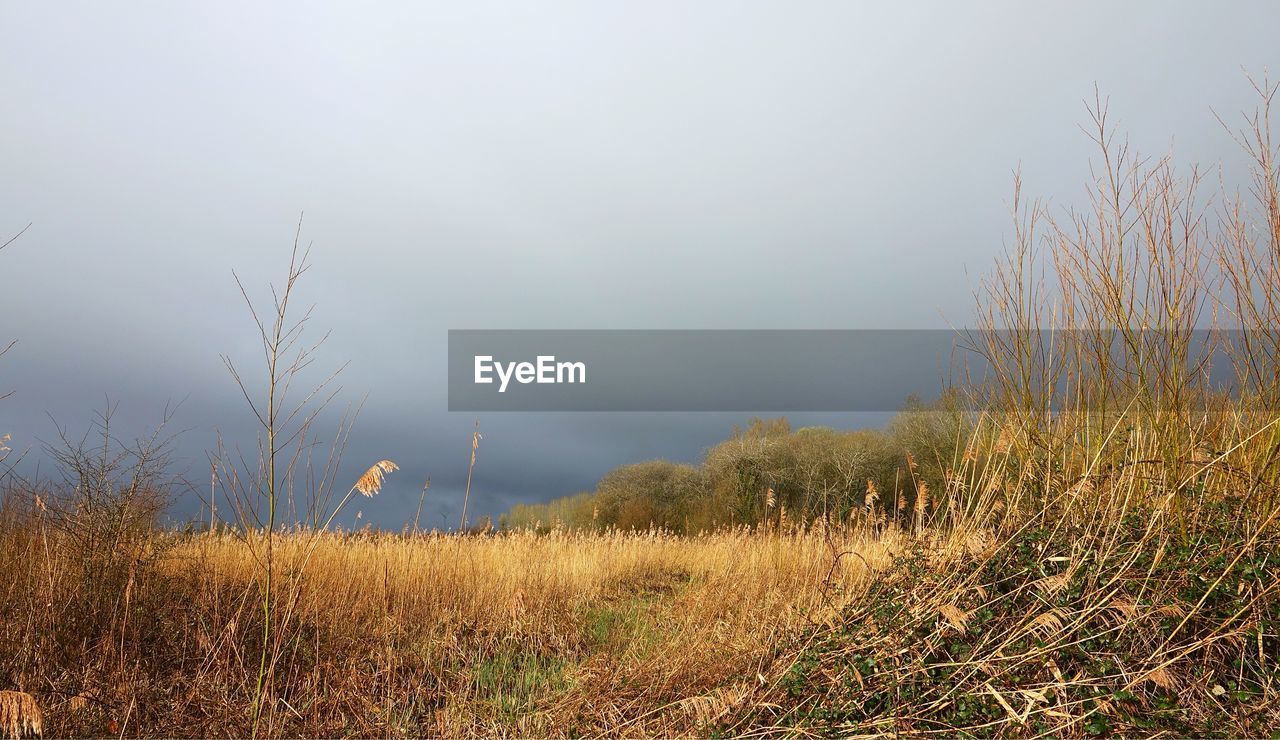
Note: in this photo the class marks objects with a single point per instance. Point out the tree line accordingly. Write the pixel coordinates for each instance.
(768, 473)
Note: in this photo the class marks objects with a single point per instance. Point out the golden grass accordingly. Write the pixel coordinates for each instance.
(1035, 616)
(753, 585)
(513, 634)
(19, 715)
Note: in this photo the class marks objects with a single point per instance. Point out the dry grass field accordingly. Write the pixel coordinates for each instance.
(510, 634)
(1100, 608)
(539, 635)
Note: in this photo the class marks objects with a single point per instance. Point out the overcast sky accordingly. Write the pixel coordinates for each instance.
(537, 165)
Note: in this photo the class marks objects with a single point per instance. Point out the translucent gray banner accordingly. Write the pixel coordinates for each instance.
(797, 371)
(655, 370)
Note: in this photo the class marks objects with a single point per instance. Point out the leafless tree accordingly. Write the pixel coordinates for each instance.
(262, 488)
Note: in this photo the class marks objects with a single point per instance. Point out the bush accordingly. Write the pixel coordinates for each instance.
(656, 493)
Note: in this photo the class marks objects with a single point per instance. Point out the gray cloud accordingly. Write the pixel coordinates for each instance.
(572, 165)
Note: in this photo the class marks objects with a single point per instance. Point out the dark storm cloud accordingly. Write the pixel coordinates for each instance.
(544, 166)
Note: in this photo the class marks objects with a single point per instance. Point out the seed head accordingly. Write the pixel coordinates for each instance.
(371, 482)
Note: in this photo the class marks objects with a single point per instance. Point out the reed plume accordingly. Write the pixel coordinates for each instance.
(371, 482)
(466, 496)
(19, 714)
(368, 485)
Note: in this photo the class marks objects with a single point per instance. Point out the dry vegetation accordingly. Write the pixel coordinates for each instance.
(1090, 549)
(522, 633)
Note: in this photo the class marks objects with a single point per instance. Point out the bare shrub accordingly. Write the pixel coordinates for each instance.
(105, 504)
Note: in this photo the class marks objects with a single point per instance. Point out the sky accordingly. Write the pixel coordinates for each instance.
(557, 165)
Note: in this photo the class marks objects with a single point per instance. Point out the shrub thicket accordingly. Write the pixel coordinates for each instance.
(769, 475)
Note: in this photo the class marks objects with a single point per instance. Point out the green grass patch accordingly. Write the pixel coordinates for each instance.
(514, 682)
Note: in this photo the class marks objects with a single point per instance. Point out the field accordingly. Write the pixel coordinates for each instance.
(389, 635)
(1075, 621)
